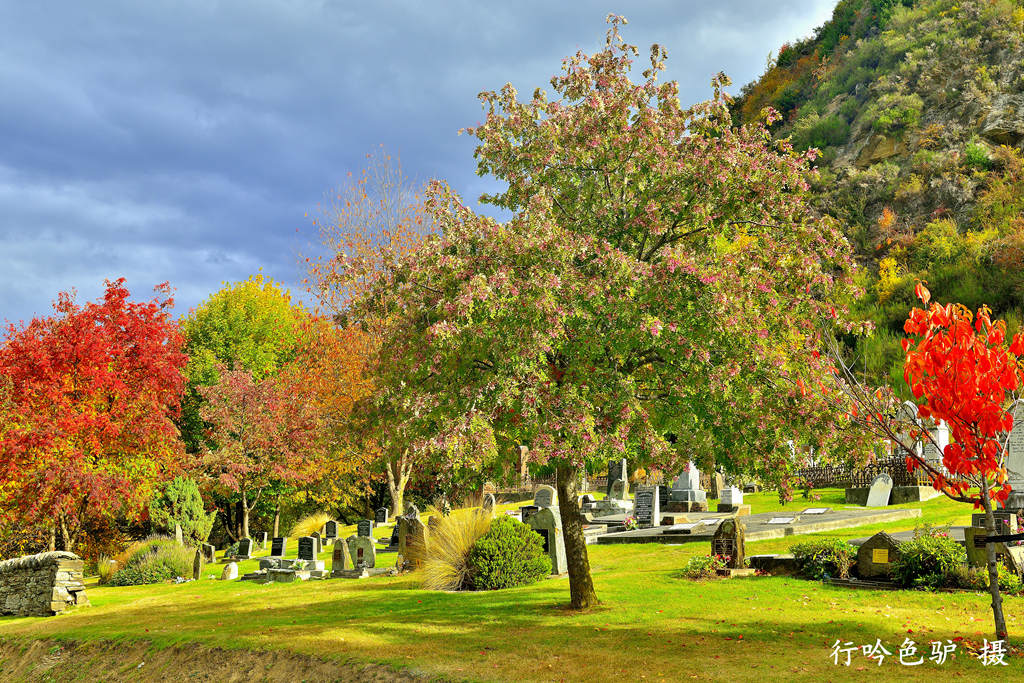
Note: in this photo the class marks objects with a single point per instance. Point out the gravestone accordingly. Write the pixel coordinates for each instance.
(412, 542)
(1006, 522)
(933, 447)
(545, 497)
(307, 548)
(365, 528)
(489, 502)
(548, 523)
(716, 486)
(279, 546)
(686, 494)
(210, 553)
(178, 535)
(881, 489)
(728, 541)
(1015, 459)
(230, 572)
(411, 510)
(381, 517)
(527, 511)
(318, 541)
(244, 549)
(362, 552)
(646, 506)
(433, 521)
(197, 565)
(261, 538)
(876, 555)
(586, 502)
(619, 490)
(664, 491)
(331, 530)
(393, 543)
(731, 500)
(617, 469)
(341, 557)
(977, 553)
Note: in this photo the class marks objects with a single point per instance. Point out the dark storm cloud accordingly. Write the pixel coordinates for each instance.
(185, 141)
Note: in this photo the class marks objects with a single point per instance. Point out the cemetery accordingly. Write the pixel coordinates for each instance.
(699, 389)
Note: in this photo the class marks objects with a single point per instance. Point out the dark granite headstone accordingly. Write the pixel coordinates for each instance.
(307, 548)
(365, 528)
(381, 517)
(646, 506)
(279, 546)
(331, 529)
(245, 548)
(393, 544)
(617, 469)
(197, 565)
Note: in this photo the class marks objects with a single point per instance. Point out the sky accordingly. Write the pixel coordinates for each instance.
(188, 141)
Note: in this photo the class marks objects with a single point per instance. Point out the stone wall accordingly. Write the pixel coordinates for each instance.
(41, 585)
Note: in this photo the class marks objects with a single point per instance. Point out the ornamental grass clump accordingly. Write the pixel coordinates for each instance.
(824, 558)
(308, 524)
(153, 560)
(510, 554)
(105, 568)
(445, 561)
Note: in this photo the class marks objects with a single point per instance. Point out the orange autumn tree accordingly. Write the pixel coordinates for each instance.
(961, 371)
(368, 227)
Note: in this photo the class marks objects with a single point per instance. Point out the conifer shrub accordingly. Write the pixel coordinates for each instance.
(179, 502)
(824, 558)
(510, 554)
(154, 560)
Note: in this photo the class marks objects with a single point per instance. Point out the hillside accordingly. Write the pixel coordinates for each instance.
(917, 107)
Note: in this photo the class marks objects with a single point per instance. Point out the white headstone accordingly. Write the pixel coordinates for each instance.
(230, 572)
(731, 496)
(881, 489)
(688, 480)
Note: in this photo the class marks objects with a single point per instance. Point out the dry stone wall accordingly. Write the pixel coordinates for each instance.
(41, 585)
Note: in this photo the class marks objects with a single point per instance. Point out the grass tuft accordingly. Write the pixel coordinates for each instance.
(446, 557)
(308, 524)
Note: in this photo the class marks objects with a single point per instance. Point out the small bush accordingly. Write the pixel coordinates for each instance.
(824, 558)
(703, 566)
(897, 113)
(446, 560)
(977, 578)
(510, 554)
(932, 559)
(154, 560)
(308, 524)
(178, 502)
(976, 156)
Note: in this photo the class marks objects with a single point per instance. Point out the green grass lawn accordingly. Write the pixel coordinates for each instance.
(651, 624)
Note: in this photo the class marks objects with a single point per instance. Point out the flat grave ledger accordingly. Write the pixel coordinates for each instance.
(758, 527)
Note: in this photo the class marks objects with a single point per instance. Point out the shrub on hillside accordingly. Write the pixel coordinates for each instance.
(154, 560)
(932, 559)
(703, 566)
(895, 114)
(510, 554)
(178, 503)
(446, 560)
(824, 558)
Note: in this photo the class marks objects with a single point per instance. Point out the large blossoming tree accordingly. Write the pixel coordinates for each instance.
(657, 288)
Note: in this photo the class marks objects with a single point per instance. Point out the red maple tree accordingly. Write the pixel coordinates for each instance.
(86, 425)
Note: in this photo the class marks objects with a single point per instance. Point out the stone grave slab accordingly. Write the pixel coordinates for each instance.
(881, 489)
(362, 552)
(230, 572)
(341, 557)
(244, 549)
(545, 497)
(548, 523)
(330, 530)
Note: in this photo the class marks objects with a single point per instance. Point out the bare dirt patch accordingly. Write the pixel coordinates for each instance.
(51, 660)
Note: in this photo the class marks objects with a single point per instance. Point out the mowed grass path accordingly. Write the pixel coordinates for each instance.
(652, 625)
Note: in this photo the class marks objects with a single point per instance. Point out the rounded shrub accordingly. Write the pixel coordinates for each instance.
(824, 558)
(932, 559)
(510, 554)
(152, 561)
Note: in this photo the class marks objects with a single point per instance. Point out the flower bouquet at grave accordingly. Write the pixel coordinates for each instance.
(630, 523)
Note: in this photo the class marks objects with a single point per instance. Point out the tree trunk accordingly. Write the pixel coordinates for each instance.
(581, 585)
(277, 518)
(239, 514)
(52, 544)
(398, 477)
(245, 516)
(993, 565)
(67, 539)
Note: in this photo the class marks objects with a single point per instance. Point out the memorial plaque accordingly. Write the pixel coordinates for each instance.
(781, 520)
(646, 507)
(880, 555)
(688, 526)
(815, 511)
(364, 528)
(980, 540)
(279, 546)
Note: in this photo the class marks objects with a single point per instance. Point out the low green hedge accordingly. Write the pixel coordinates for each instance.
(510, 554)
